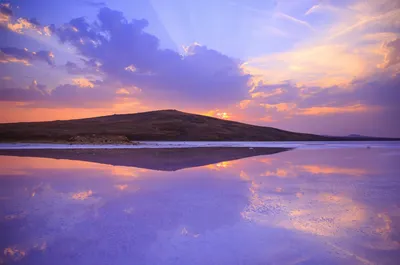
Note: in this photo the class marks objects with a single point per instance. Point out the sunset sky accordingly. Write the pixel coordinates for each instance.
(327, 67)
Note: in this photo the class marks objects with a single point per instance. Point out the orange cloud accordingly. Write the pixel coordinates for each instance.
(277, 91)
(281, 107)
(5, 58)
(82, 82)
(318, 111)
(322, 65)
(267, 119)
(244, 103)
(128, 90)
(20, 25)
(123, 91)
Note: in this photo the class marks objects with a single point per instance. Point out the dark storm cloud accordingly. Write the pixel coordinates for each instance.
(131, 56)
(24, 54)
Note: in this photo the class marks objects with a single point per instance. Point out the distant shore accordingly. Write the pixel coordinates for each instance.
(201, 144)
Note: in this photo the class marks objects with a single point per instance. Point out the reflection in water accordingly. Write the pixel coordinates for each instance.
(121, 187)
(157, 159)
(337, 206)
(322, 169)
(82, 195)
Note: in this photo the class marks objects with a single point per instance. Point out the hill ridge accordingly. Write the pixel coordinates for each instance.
(157, 125)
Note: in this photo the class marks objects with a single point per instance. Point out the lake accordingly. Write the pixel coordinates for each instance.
(325, 204)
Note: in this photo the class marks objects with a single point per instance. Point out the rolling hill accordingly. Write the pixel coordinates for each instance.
(162, 125)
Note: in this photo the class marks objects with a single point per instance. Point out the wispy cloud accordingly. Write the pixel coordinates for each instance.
(320, 111)
(321, 8)
(294, 20)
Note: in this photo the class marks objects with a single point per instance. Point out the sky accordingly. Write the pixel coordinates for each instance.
(325, 67)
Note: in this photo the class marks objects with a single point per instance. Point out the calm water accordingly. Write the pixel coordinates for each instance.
(303, 206)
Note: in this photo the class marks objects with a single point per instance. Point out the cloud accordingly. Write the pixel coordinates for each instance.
(33, 92)
(318, 111)
(67, 95)
(319, 65)
(89, 67)
(348, 46)
(5, 13)
(373, 6)
(82, 82)
(74, 69)
(203, 76)
(368, 105)
(78, 96)
(376, 90)
(321, 7)
(5, 58)
(94, 3)
(263, 94)
(375, 22)
(19, 25)
(294, 20)
(276, 93)
(392, 56)
(280, 107)
(16, 55)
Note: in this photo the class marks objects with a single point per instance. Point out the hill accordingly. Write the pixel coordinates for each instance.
(162, 125)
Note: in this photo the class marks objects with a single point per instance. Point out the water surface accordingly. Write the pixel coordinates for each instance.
(303, 206)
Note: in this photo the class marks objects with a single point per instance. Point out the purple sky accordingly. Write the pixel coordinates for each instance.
(328, 67)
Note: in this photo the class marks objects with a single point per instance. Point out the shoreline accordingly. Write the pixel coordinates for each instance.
(204, 144)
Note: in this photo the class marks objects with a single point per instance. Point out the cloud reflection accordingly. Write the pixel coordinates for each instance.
(321, 207)
(322, 169)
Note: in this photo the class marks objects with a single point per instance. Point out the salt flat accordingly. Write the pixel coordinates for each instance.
(180, 144)
(311, 205)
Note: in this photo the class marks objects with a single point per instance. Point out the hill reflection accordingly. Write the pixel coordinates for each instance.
(163, 159)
